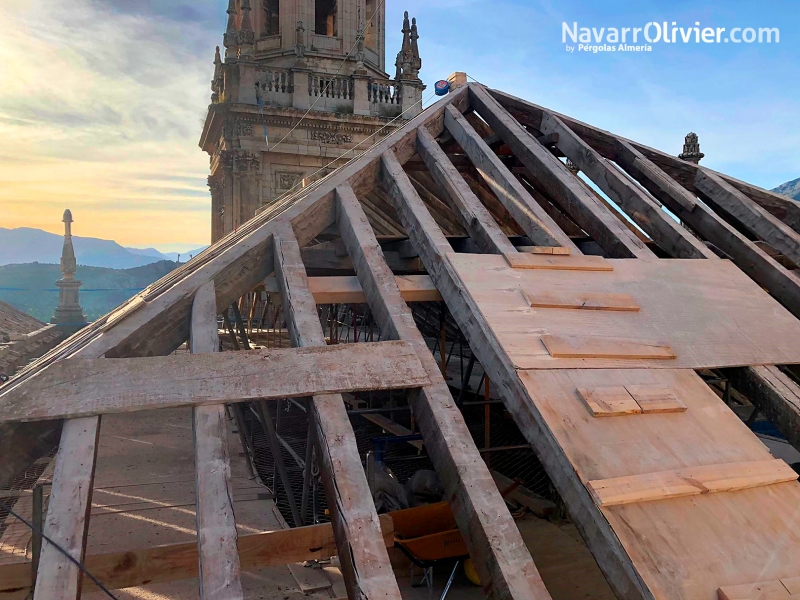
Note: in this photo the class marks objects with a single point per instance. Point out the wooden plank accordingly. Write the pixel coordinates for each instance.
(574, 346)
(692, 481)
(767, 590)
(609, 401)
(544, 250)
(347, 289)
(539, 506)
(757, 220)
(474, 216)
(557, 262)
(491, 536)
(362, 553)
(536, 223)
(582, 301)
(656, 399)
(81, 387)
(173, 562)
(67, 521)
(614, 237)
(668, 234)
(216, 526)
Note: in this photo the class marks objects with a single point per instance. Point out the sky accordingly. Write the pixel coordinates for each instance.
(102, 101)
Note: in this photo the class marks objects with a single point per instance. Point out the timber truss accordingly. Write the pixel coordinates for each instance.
(674, 496)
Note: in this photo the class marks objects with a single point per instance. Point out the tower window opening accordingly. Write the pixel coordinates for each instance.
(272, 14)
(325, 18)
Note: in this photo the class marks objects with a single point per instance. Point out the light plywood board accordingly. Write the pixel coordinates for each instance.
(557, 262)
(656, 399)
(708, 312)
(609, 401)
(587, 346)
(581, 301)
(677, 483)
(687, 547)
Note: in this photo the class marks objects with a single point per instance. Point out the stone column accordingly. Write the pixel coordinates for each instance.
(360, 96)
(217, 187)
(69, 313)
(247, 167)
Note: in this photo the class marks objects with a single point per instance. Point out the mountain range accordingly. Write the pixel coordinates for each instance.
(790, 188)
(27, 245)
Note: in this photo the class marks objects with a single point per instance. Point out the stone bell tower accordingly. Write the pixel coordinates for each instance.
(69, 313)
(300, 89)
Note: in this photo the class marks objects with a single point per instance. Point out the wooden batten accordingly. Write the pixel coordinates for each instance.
(347, 289)
(656, 399)
(691, 481)
(574, 346)
(557, 262)
(582, 301)
(609, 401)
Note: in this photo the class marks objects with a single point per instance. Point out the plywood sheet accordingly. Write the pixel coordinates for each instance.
(581, 301)
(708, 312)
(683, 548)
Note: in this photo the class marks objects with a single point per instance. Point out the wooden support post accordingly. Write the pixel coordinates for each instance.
(602, 540)
(487, 414)
(474, 216)
(668, 234)
(616, 239)
(503, 563)
(216, 527)
(364, 560)
(237, 314)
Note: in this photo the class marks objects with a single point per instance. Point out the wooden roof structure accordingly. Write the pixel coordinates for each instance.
(590, 306)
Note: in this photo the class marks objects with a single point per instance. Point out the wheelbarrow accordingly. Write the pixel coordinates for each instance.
(428, 535)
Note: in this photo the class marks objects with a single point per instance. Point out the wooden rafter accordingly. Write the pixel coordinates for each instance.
(481, 514)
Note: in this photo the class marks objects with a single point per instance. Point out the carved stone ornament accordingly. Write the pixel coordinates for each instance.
(286, 180)
(331, 137)
(237, 128)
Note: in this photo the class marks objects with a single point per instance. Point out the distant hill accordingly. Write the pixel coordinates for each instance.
(790, 188)
(31, 287)
(27, 245)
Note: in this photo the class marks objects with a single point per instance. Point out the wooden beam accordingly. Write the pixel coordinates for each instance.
(362, 553)
(773, 393)
(173, 562)
(760, 267)
(493, 540)
(587, 211)
(535, 222)
(347, 289)
(474, 215)
(216, 526)
(757, 220)
(603, 542)
(87, 387)
(783, 207)
(667, 233)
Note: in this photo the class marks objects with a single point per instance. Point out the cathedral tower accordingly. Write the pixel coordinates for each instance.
(299, 89)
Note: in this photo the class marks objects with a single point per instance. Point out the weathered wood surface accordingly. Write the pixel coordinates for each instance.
(533, 219)
(362, 552)
(783, 207)
(612, 235)
(218, 556)
(692, 481)
(347, 289)
(707, 311)
(668, 234)
(757, 220)
(80, 387)
(474, 216)
(775, 394)
(503, 563)
(681, 532)
(173, 562)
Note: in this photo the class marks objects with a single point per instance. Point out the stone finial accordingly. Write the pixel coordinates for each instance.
(217, 82)
(68, 312)
(231, 38)
(691, 149)
(405, 51)
(360, 70)
(416, 61)
(247, 37)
